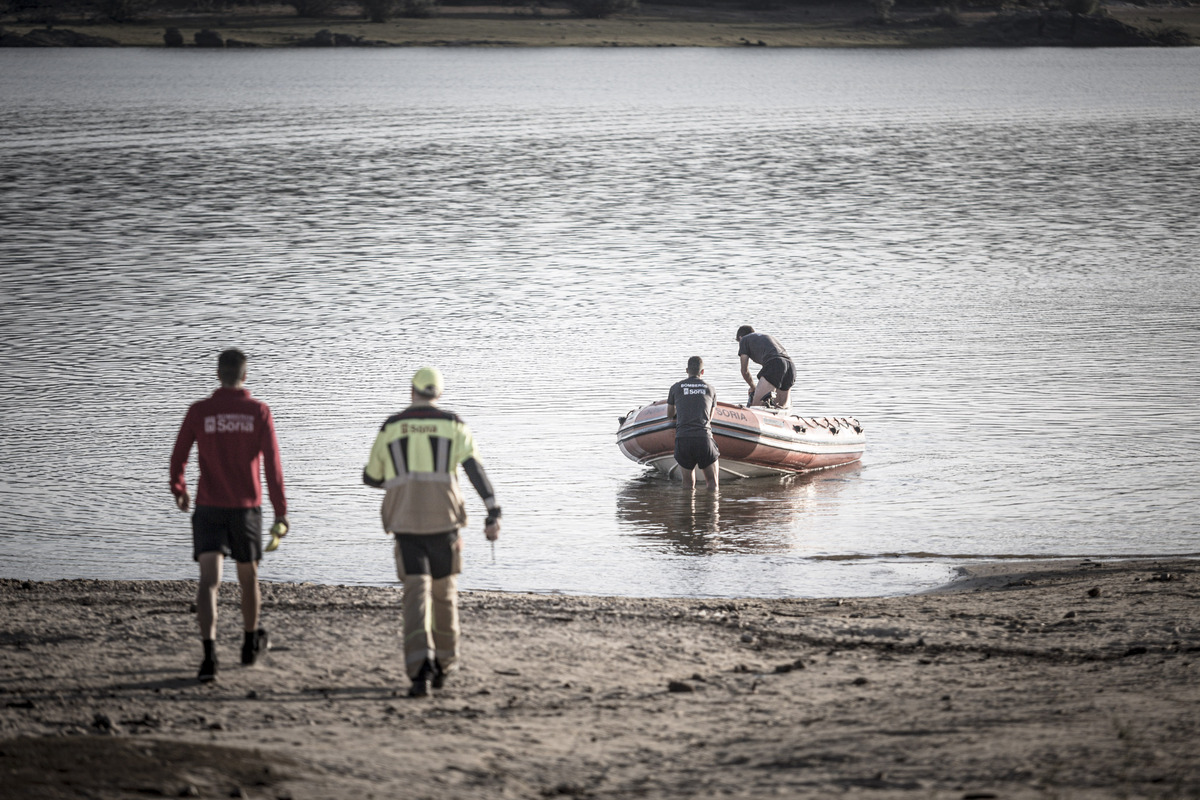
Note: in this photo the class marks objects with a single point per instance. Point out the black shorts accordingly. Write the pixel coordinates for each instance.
(780, 372)
(233, 532)
(695, 451)
(431, 554)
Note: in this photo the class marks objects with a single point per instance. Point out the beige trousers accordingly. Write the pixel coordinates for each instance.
(430, 610)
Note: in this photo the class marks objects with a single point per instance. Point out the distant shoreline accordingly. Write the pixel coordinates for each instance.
(652, 25)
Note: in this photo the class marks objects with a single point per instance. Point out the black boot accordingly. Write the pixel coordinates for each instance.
(254, 644)
(439, 675)
(421, 683)
(208, 667)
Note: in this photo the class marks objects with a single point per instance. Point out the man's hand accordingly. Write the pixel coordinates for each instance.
(492, 530)
(280, 531)
(183, 501)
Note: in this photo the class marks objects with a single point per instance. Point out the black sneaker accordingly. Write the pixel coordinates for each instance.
(421, 684)
(254, 644)
(208, 669)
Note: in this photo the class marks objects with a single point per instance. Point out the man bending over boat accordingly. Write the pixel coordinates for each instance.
(691, 403)
(778, 373)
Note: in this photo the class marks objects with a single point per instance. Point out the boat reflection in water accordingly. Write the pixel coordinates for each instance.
(765, 515)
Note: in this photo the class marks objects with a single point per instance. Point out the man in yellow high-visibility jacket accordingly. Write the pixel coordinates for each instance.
(415, 459)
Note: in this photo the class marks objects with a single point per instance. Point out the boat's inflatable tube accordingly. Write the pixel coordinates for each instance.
(753, 441)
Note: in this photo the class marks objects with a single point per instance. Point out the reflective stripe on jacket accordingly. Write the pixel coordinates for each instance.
(415, 458)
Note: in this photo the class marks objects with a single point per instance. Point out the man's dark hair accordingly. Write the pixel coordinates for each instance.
(695, 364)
(231, 366)
(742, 331)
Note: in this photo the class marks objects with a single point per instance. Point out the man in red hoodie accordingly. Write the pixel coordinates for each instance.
(234, 435)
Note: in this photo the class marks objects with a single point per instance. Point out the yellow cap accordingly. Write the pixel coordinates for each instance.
(428, 382)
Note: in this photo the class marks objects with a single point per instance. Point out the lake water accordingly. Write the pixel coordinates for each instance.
(989, 257)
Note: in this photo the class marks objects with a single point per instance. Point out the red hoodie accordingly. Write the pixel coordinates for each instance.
(233, 433)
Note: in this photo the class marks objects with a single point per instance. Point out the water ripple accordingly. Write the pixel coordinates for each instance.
(1002, 287)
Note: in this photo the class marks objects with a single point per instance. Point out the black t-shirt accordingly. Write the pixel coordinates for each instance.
(694, 400)
(760, 347)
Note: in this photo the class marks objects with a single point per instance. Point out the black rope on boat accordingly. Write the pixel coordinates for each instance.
(850, 422)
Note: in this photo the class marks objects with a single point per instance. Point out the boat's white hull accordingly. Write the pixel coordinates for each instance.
(754, 442)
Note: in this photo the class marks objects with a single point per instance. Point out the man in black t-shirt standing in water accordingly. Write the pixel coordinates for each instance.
(778, 373)
(691, 403)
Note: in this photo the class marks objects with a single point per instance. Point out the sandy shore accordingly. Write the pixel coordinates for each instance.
(1051, 680)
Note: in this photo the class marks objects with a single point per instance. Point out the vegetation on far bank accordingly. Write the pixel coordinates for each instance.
(921, 23)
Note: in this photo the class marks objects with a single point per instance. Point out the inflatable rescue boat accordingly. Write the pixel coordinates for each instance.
(754, 441)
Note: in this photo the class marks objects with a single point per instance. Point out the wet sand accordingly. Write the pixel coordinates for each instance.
(1065, 679)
